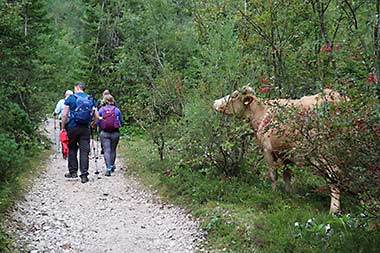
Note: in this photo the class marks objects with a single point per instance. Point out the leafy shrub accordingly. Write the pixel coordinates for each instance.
(5, 242)
(15, 121)
(11, 156)
(342, 143)
(213, 144)
(157, 106)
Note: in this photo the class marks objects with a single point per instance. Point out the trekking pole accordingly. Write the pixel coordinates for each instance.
(92, 155)
(59, 146)
(95, 153)
(97, 141)
(54, 135)
(55, 126)
(56, 138)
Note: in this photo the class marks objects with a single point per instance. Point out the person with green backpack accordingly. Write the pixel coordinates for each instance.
(78, 112)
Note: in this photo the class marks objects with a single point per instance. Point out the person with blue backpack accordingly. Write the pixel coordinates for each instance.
(79, 109)
(109, 121)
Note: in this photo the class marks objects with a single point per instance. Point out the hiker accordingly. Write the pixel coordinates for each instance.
(109, 122)
(57, 113)
(100, 101)
(60, 106)
(81, 107)
(100, 104)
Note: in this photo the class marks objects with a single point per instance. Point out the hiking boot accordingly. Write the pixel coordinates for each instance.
(108, 173)
(84, 179)
(71, 175)
(113, 167)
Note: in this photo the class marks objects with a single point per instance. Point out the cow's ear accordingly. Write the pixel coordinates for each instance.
(248, 99)
(235, 94)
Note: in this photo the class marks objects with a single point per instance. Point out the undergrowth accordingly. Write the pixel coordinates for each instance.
(242, 214)
(15, 185)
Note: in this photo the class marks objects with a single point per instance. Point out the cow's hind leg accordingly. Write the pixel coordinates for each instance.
(335, 199)
(287, 176)
(333, 174)
(268, 155)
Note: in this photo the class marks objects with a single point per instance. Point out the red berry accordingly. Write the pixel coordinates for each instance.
(371, 78)
(264, 89)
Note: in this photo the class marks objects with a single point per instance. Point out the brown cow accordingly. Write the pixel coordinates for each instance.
(273, 140)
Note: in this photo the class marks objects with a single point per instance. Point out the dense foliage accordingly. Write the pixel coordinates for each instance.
(166, 61)
(38, 61)
(21, 76)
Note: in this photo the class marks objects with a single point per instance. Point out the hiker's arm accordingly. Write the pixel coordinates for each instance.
(96, 113)
(95, 118)
(98, 116)
(56, 110)
(120, 116)
(64, 116)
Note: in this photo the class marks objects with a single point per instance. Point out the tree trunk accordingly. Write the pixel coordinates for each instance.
(376, 45)
(321, 8)
(26, 26)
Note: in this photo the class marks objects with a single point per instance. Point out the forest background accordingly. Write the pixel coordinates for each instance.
(166, 61)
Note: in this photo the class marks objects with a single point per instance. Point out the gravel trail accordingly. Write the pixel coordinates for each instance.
(107, 214)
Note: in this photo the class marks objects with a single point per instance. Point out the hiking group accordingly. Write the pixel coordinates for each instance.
(80, 115)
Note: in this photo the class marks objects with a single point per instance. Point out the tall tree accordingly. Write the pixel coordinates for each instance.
(102, 40)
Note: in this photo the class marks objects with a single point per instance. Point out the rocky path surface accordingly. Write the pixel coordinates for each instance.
(107, 214)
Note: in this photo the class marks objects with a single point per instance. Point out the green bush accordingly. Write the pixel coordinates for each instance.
(15, 122)
(11, 156)
(344, 139)
(5, 242)
(213, 143)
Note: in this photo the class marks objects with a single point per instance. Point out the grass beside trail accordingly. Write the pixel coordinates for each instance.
(14, 187)
(244, 215)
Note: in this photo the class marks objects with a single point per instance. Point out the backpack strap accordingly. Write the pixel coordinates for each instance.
(88, 96)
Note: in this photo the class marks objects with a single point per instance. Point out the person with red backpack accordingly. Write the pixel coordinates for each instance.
(79, 109)
(109, 122)
(58, 113)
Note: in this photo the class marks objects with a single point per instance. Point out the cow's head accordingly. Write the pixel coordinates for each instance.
(237, 103)
(334, 96)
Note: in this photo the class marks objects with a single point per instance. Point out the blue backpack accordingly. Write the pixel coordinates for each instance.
(83, 111)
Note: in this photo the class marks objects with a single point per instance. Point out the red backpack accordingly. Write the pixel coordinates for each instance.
(109, 122)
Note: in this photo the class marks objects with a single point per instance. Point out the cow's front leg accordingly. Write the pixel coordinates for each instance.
(273, 177)
(273, 171)
(287, 176)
